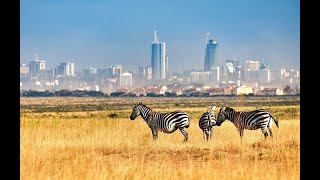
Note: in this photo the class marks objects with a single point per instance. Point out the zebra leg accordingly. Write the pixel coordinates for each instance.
(265, 133)
(207, 134)
(154, 133)
(270, 127)
(204, 135)
(185, 134)
(241, 133)
(270, 132)
(210, 132)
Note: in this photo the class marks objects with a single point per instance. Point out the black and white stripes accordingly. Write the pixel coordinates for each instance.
(165, 122)
(250, 120)
(170, 122)
(206, 123)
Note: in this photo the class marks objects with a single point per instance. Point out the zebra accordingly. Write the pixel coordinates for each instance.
(164, 122)
(206, 123)
(250, 120)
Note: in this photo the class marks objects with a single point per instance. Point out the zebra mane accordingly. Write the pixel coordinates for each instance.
(226, 108)
(140, 104)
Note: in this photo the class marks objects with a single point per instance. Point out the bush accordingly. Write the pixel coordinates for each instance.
(113, 115)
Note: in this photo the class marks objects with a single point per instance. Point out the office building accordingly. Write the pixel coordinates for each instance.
(126, 80)
(66, 69)
(158, 59)
(210, 53)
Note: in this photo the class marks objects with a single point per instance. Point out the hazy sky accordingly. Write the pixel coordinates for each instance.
(109, 32)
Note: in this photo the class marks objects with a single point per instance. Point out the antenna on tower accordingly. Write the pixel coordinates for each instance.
(155, 38)
(207, 34)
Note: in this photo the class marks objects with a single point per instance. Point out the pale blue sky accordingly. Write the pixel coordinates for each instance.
(108, 32)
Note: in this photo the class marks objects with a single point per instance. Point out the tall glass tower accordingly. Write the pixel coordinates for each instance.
(158, 59)
(210, 55)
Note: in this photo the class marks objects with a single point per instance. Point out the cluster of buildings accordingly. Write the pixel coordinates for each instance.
(195, 90)
(232, 77)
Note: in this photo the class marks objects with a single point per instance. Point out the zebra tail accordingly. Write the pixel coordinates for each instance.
(275, 121)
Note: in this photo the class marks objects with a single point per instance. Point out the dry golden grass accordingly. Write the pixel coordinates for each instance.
(82, 145)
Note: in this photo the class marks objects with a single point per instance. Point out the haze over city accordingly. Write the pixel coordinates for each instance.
(99, 34)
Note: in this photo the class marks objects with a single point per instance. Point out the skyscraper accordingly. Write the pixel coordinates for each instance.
(36, 65)
(210, 55)
(66, 69)
(158, 59)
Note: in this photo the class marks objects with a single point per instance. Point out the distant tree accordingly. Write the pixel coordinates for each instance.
(129, 95)
(287, 89)
(63, 92)
(116, 94)
(152, 95)
(95, 94)
(169, 94)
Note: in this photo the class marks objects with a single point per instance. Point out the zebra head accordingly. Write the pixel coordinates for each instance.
(211, 109)
(136, 111)
(222, 116)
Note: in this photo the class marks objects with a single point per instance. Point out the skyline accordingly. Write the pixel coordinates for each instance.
(121, 32)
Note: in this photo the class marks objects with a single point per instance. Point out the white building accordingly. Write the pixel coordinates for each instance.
(242, 90)
(126, 79)
(251, 65)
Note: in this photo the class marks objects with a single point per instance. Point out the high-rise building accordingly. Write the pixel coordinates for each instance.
(36, 66)
(210, 54)
(158, 59)
(149, 72)
(232, 70)
(114, 70)
(215, 74)
(66, 69)
(118, 69)
(144, 72)
(126, 80)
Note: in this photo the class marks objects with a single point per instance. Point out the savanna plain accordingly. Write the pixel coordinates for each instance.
(94, 138)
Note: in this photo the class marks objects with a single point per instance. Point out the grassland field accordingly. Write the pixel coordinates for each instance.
(93, 138)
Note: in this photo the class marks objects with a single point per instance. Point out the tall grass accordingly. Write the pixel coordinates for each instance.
(91, 145)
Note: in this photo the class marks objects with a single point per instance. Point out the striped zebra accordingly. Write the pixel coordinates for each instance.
(165, 122)
(206, 123)
(250, 120)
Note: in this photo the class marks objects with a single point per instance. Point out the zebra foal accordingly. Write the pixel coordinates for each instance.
(165, 122)
(206, 123)
(250, 120)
